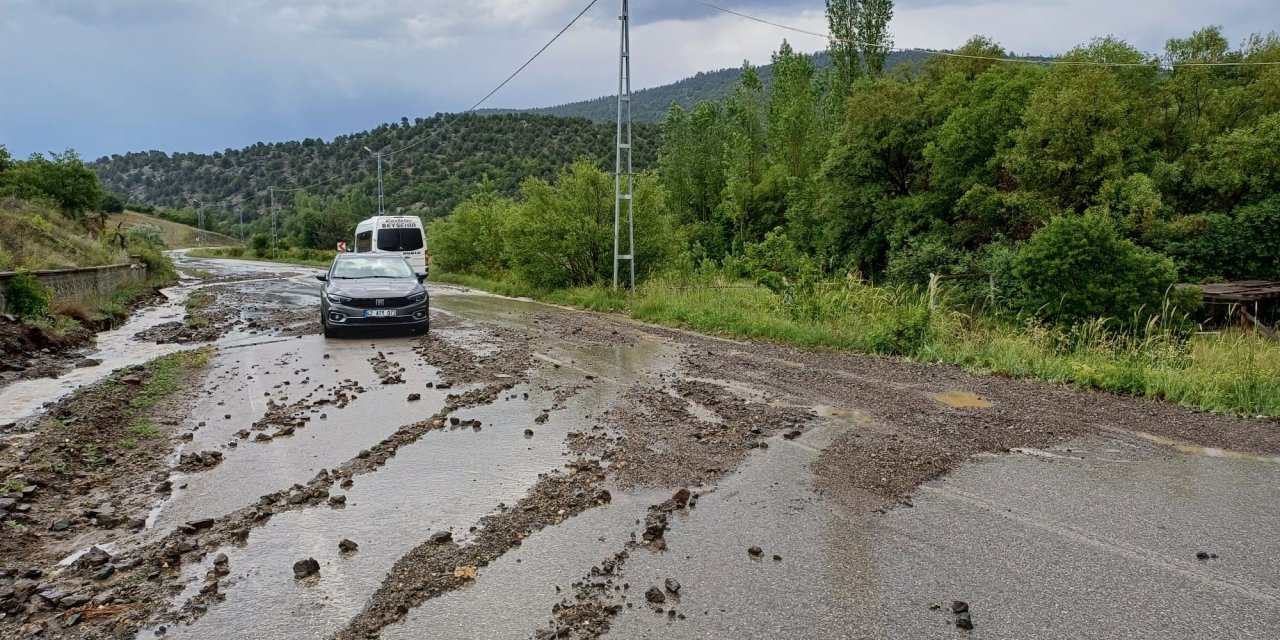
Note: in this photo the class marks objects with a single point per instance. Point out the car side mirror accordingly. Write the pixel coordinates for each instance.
(322, 278)
(422, 277)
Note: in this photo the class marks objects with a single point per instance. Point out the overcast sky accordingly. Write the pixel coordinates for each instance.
(111, 76)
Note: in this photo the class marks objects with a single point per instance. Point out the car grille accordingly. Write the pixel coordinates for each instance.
(372, 303)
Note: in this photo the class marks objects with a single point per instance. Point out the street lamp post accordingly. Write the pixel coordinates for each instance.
(378, 155)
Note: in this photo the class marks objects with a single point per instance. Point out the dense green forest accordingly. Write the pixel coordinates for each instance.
(1080, 189)
(441, 166)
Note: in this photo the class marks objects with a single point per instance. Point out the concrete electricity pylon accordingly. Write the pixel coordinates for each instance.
(623, 176)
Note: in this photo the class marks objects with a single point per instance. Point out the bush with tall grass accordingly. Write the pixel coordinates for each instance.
(26, 297)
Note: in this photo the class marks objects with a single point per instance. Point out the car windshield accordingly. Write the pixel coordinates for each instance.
(356, 268)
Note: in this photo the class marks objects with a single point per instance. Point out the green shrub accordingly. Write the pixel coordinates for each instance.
(1078, 268)
(261, 244)
(112, 203)
(27, 297)
(144, 235)
(159, 267)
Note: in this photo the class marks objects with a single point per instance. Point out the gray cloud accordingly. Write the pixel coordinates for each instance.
(109, 76)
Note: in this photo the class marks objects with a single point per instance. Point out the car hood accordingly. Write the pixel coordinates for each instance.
(374, 288)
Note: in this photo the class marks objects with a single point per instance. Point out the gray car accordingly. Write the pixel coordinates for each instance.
(372, 290)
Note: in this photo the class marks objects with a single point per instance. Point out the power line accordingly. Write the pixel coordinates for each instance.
(952, 54)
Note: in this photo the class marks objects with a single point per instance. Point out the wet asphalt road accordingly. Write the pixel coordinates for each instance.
(1094, 538)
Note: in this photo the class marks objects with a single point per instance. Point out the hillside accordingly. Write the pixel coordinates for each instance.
(651, 105)
(440, 168)
(176, 235)
(34, 236)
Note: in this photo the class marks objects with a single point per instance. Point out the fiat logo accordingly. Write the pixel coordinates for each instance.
(381, 302)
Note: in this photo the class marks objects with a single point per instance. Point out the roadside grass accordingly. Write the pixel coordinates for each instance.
(163, 381)
(34, 235)
(306, 257)
(196, 304)
(1230, 371)
(143, 428)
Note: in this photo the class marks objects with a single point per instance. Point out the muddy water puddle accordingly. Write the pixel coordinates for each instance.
(512, 597)
(962, 400)
(244, 380)
(447, 480)
(115, 348)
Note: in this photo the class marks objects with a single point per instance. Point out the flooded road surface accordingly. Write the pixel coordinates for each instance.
(527, 471)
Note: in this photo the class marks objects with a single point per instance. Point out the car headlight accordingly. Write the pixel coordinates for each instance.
(418, 297)
(337, 299)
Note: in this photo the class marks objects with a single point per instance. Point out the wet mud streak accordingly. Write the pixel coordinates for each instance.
(431, 568)
(660, 443)
(601, 594)
(457, 364)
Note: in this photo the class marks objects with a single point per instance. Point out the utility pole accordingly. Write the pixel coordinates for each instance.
(623, 181)
(378, 155)
(274, 243)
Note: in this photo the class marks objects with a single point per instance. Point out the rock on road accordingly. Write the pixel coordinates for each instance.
(531, 471)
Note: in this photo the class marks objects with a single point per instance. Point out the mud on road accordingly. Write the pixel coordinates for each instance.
(277, 484)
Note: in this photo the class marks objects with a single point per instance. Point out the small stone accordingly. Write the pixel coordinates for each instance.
(297, 498)
(959, 606)
(94, 557)
(264, 437)
(964, 621)
(364, 453)
(305, 568)
(348, 546)
(441, 537)
(672, 585)
(528, 433)
(104, 573)
(655, 595)
(73, 601)
(414, 397)
(164, 487)
(681, 497)
(203, 523)
(335, 501)
(226, 417)
(777, 558)
(1205, 555)
(755, 551)
(61, 524)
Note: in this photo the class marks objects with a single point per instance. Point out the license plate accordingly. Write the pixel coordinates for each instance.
(379, 313)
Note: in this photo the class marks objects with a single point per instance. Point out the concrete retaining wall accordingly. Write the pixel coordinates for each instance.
(81, 283)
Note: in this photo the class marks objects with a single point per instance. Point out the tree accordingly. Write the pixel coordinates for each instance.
(1078, 268)
(62, 177)
(1086, 125)
(562, 233)
(792, 115)
(745, 148)
(859, 39)
(472, 239)
(843, 20)
(873, 34)
(112, 203)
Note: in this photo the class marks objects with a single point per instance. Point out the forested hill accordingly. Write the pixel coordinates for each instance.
(430, 178)
(651, 105)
